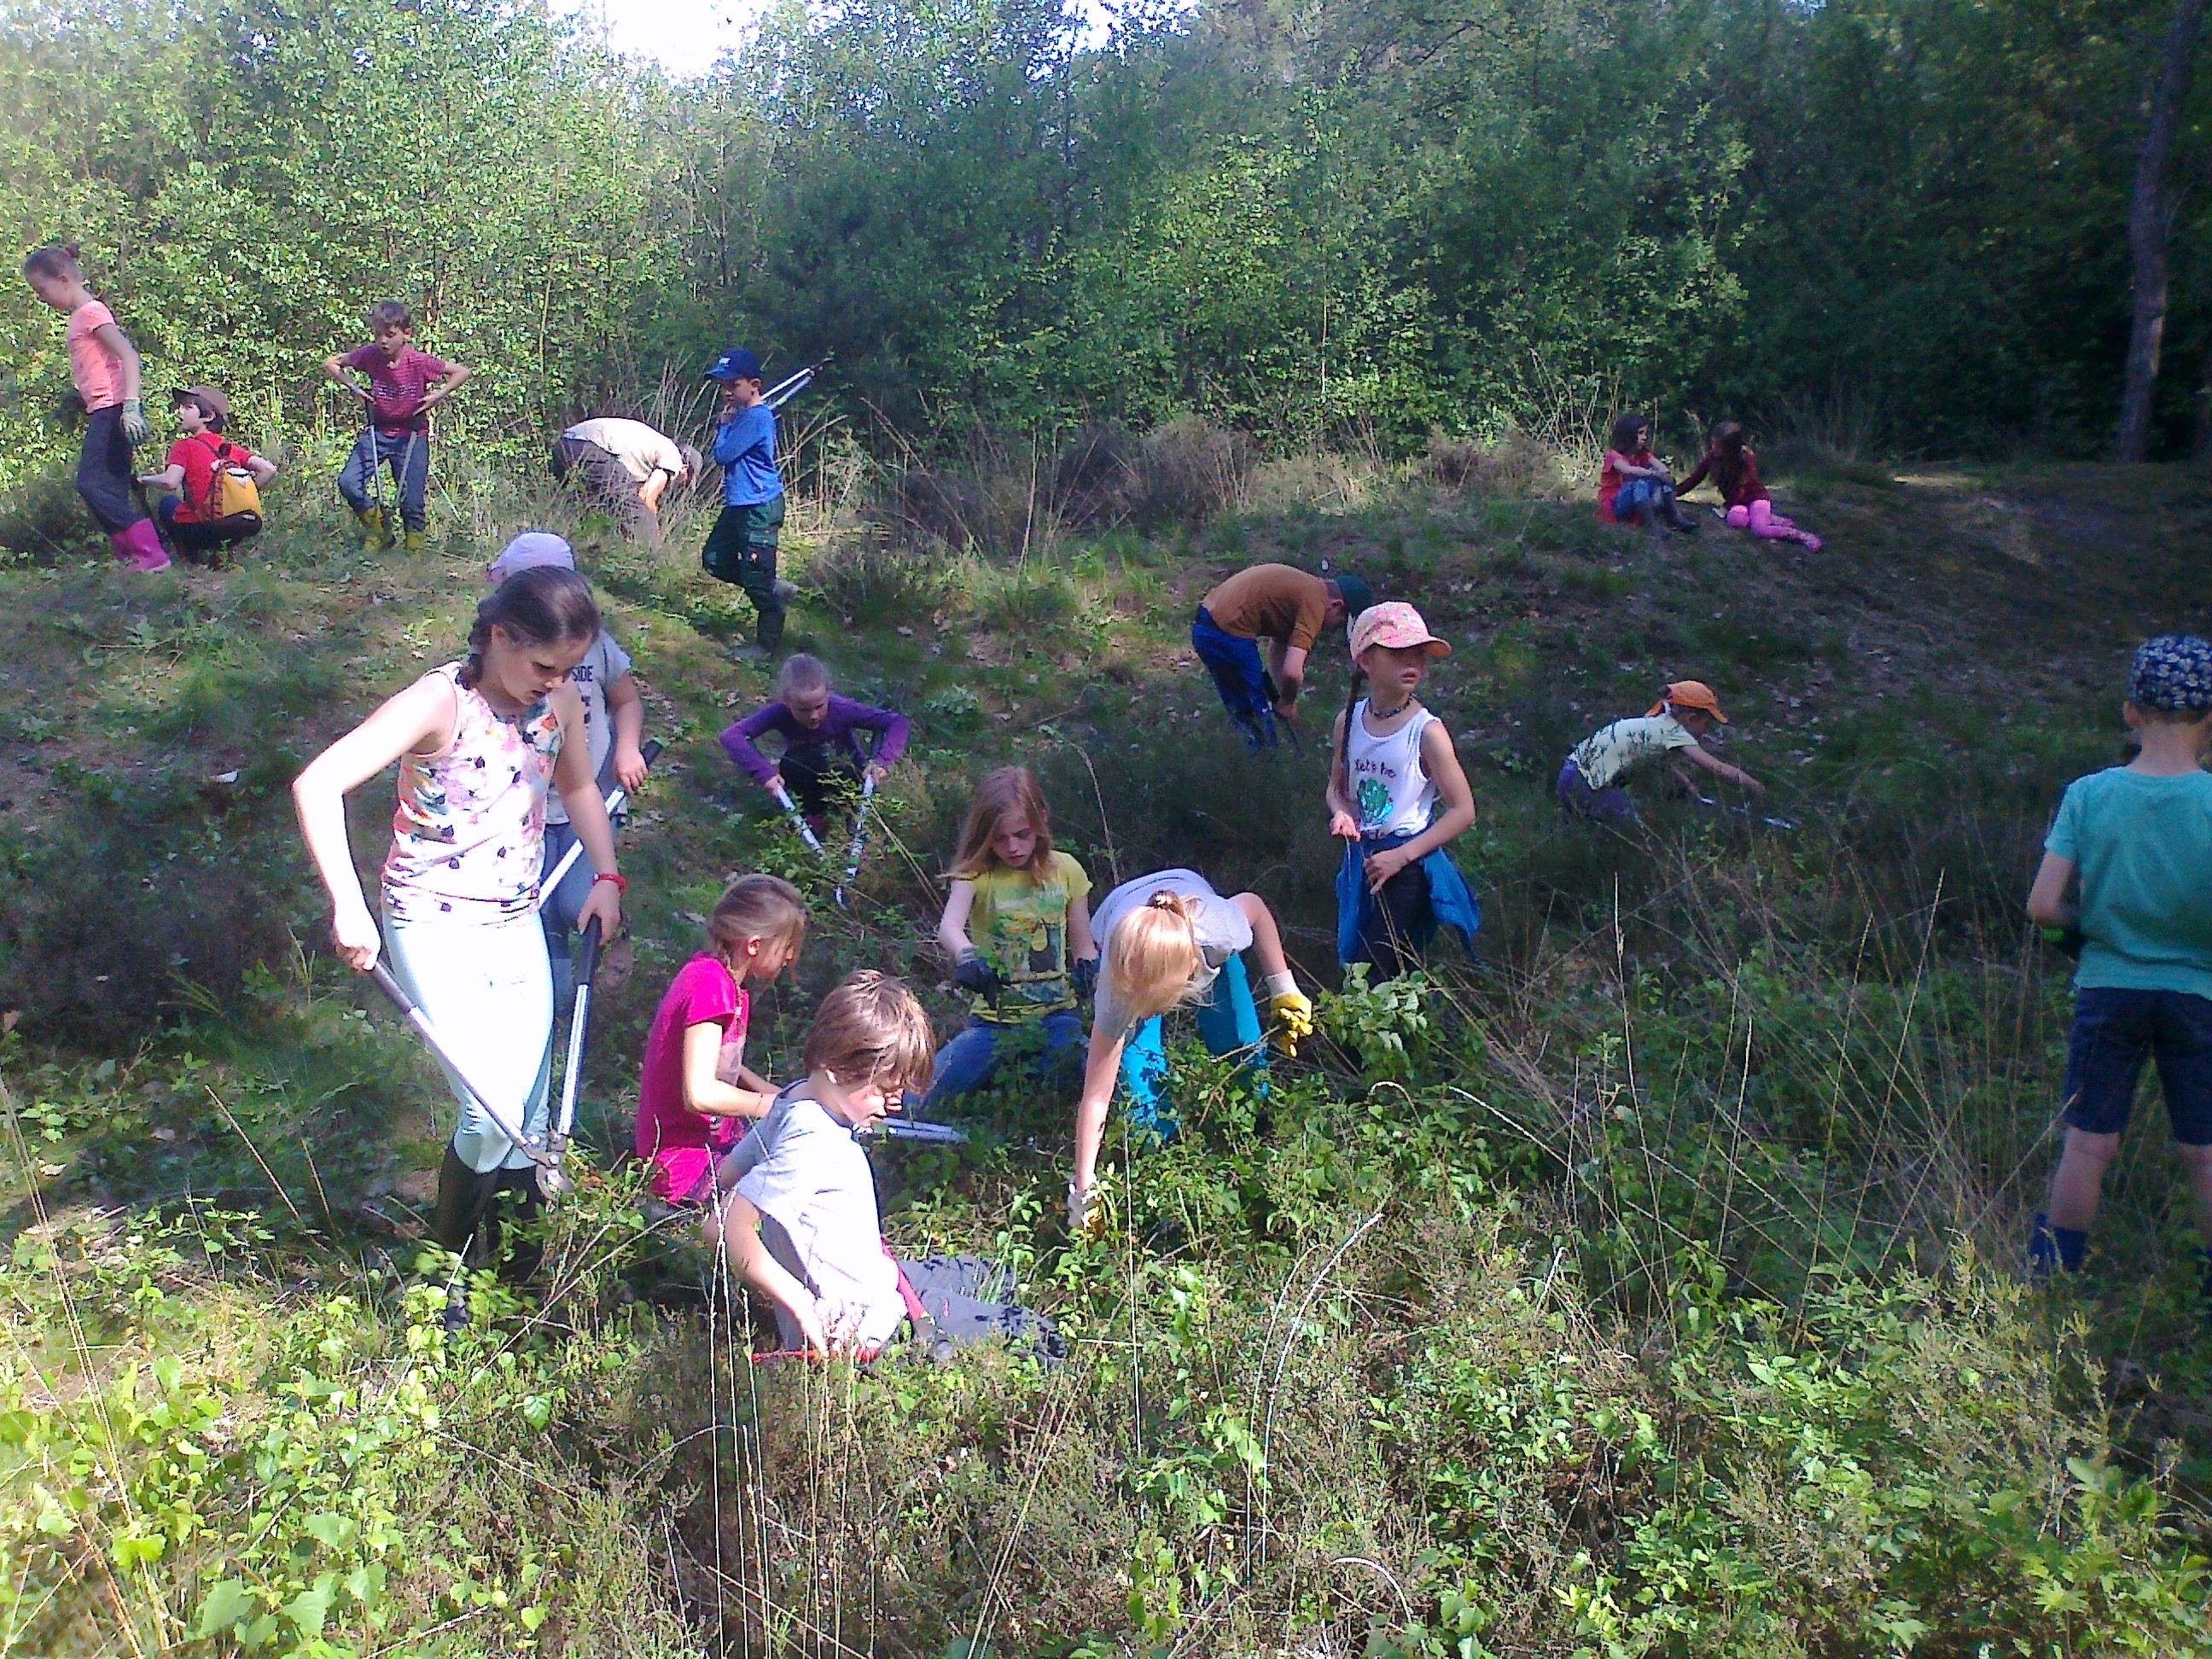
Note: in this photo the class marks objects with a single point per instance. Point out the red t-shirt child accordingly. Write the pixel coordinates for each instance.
(197, 455)
(396, 387)
(680, 1143)
(1609, 479)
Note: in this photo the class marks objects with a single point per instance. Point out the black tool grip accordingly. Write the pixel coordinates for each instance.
(587, 952)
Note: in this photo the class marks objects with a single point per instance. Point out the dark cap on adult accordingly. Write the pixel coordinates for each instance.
(212, 403)
(735, 364)
(1358, 596)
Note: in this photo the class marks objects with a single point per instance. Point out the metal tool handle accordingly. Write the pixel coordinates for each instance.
(916, 1133)
(859, 843)
(797, 818)
(421, 1022)
(579, 1025)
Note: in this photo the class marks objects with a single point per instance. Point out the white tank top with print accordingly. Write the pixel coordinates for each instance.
(1394, 793)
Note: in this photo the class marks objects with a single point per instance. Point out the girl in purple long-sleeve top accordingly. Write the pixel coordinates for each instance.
(820, 740)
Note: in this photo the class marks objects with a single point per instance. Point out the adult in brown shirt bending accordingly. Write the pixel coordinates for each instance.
(1286, 607)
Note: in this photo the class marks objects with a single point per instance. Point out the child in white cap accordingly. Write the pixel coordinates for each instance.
(614, 723)
(1397, 797)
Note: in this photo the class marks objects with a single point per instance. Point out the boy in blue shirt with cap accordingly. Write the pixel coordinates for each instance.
(2138, 840)
(741, 547)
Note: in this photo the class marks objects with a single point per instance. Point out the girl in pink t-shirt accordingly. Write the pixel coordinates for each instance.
(104, 364)
(696, 1093)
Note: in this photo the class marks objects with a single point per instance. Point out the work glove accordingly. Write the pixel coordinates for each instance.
(135, 429)
(972, 973)
(2067, 940)
(1083, 976)
(1290, 1020)
(1086, 1217)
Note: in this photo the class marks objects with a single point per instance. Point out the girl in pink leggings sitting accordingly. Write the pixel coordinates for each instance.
(1733, 466)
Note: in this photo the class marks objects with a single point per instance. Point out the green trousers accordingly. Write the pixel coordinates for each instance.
(741, 549)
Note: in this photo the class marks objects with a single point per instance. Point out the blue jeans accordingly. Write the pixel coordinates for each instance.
(408, 456)
(966, 1063)
(2115, 1031)
(1238, 675)
(1228, 1024)
(1642, 492)
(559, 916)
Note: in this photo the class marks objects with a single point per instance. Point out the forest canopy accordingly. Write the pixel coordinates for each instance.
(1899, 221)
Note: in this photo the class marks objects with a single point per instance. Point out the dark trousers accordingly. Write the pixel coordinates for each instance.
(1397, 925)
(816, 778)
(103, 471)
(196, 542)
(603, 476)
(741, 549)
(408, 455)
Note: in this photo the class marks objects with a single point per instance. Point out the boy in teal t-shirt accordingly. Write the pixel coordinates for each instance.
(2126, 868)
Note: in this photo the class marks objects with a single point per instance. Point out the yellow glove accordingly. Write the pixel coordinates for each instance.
(1290, 1019)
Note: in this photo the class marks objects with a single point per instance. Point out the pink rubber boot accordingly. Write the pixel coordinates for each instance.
(140, 547)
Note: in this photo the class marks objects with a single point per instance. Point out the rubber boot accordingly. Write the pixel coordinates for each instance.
(520, 1196)
(375, 534)
(140, 547)
(414, 541)
(457, 1223)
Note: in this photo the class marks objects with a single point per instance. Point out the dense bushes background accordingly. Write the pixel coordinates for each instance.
(1880, 222)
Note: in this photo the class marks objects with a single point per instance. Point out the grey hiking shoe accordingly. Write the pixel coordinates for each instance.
(748, 652)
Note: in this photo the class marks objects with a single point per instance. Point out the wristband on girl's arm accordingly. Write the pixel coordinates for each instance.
(621, 886)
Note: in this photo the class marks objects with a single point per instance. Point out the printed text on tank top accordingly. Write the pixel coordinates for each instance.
(1389, 787)
(468, 831)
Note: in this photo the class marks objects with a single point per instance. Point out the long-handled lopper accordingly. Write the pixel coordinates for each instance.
(916, 1133)
(1285, 722)
(859, 839)
(791, 386)
(552, 1180)
(797, 818)
(617, 798)
(421, 1022)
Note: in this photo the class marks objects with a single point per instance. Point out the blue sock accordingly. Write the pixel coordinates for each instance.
(2050, 1246)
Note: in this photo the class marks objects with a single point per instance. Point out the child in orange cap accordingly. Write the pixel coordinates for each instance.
(1397, 797)
(1590, 781)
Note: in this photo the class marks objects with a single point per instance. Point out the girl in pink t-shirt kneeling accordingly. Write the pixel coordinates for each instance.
(696, 1092)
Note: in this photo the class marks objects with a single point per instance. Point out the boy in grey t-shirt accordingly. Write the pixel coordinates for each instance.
(614, 723)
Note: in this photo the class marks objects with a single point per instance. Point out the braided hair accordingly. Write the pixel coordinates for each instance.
(542, 605)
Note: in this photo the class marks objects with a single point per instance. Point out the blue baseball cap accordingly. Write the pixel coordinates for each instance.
(735, 364)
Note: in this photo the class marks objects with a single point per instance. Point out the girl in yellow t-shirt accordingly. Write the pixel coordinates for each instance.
(1017, 925)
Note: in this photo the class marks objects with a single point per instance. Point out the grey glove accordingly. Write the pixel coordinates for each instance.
(135, 429)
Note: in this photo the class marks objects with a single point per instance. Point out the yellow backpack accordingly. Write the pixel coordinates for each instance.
(231, 490)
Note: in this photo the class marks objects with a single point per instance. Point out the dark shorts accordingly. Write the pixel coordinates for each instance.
(1610, 804)
(2115, 1031)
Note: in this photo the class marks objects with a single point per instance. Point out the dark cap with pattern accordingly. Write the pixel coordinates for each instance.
(2172, 672)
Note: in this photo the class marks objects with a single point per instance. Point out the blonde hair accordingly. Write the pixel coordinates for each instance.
(871, 1030)
(1009, 789)
(1152, 961)
(800, 672)
(755, 907)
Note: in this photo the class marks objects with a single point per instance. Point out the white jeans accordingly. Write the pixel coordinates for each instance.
(488, 990)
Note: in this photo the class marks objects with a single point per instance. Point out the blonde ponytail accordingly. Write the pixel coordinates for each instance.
(1153, 961)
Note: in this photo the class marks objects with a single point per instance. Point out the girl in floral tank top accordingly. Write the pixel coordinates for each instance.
(478, 743)
(470, 821)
